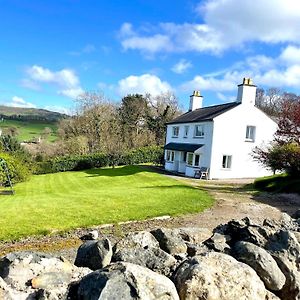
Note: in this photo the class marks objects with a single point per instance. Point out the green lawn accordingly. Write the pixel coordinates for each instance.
(62, 201)
(28, 130)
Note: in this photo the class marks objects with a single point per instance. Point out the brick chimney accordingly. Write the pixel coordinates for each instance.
(246, 92)
(195, 101)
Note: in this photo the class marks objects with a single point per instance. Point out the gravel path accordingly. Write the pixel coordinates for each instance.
(233, 201)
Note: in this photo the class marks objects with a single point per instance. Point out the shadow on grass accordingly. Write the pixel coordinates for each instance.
(229, 189)
(119, 171)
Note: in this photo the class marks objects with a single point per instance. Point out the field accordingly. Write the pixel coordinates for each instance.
(28, 130)
(62, 201)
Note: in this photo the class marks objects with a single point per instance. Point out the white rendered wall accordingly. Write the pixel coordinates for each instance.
(229, 139)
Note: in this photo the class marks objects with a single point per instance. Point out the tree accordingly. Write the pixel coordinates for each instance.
(46, 132)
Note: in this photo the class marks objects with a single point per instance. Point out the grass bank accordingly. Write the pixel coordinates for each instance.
(63, 201)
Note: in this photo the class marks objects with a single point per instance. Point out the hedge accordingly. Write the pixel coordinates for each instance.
(152, 154)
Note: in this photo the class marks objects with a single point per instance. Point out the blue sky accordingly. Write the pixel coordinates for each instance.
(51, 51)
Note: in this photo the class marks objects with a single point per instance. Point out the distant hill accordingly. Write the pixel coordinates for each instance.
(30, 114)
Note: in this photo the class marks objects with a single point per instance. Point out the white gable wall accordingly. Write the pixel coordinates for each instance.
(229, 138)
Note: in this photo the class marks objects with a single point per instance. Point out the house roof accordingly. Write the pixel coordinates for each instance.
(204, 114)
(183, 147)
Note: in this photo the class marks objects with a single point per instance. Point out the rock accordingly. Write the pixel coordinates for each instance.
(170, 241)
(285, 249)
(218, 242)
(296, 214)
(140, 239)
(194, 235)
(126, 281)
(271, 296)
(217, 276)
(155, 259)
(92, 235)
(94, 254)
(196, 249)
(262, 262)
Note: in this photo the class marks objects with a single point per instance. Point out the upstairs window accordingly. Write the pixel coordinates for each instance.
(175, 131)
(199, 131)
(186, 131)
(250, 133)
(226, 161)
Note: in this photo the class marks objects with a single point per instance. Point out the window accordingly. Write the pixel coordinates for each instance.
(189, 160)
(170, 156)
(197, 160)
(184, 156)
(199, 131)
(226, 161)
(250, 133)
(175, 131)
(186, 131)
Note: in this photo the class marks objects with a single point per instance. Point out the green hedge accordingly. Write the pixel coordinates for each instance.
(153, 154)
(18, 170)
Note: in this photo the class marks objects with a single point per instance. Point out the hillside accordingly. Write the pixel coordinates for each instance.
(27, 114)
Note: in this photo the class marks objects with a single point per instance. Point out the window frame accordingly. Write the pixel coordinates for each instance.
(227, 164)
(186, 131)
(187, 158)
(173, 131)
(250, 133)
(170, 156)
(202, 131)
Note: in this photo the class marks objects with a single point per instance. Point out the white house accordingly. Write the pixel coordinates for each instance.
(220, 137)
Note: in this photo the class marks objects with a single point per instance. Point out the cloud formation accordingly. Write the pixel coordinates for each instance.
(20, 102)
(182, 66)
(142, 84)
(226, 24)
(66, 80)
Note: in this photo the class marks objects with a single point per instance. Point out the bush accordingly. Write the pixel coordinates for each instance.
(153, 154)
(18, 171)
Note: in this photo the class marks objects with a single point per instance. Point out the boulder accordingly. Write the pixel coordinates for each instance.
(296, 214)
(170, 241)
(126, 281)
(140, 239)
(194, 235)
(217, 276)
(262, 262)
(218, 242)
(92, 235)
(155, 259)
(94, 254)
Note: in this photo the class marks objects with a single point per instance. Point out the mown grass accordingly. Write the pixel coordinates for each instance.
(28, 130)
(63, 201)
(282, 183)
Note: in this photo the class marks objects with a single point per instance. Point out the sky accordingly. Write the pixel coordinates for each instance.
(51, 51)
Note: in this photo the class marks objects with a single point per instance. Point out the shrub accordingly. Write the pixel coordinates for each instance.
(153, 154)
(18, 171)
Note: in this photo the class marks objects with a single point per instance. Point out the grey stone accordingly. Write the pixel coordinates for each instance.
(155, 259)
(140, 239)
(92, 235)
(194, 235)
(218, 242)
(94, 254)
(217, 276)
(170, 241)
(126, 281)
(296, 214)
(262, 262)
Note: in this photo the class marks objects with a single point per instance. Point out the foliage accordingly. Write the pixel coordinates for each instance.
(278, 183)
(153, 154)
(62, 201)
(18, 171)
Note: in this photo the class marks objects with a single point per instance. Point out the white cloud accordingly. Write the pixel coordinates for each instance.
(182, 66)
(20, 102)
(142, 84)
(227, 24)
(65, 79)
(282, 72)
(87, 49)
(60, 109)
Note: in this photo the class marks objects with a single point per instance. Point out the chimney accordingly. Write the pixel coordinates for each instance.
(195, 101)
(246, 92)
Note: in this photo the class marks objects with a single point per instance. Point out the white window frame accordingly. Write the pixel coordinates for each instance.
(170, 156)
(186, 131)
(198, 165)
(175, 131)
(250, 133)
(187, 158)
(201, 135)
(193, 160)
(228, 162)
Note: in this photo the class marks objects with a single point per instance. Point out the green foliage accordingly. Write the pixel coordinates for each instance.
(282, 183)
(63, 201)
(18, 171)
(152, 154)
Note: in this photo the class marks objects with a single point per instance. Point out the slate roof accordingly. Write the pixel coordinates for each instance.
(183, 147)
(204, 114)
